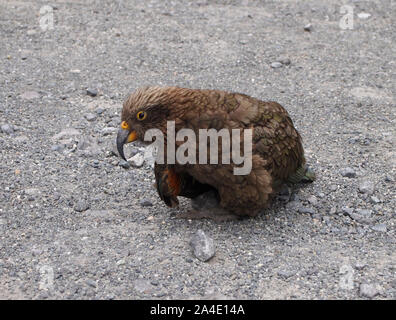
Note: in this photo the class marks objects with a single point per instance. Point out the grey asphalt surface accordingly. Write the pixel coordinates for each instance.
(74, 224)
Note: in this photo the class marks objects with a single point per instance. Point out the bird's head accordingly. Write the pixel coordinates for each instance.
(147, 108)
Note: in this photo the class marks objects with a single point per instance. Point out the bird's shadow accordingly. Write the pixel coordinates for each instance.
(207, 205)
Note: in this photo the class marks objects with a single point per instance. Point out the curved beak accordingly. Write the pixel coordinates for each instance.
(124, 136)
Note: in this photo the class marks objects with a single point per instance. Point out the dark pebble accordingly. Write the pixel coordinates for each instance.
(92, 92)
(306, 210)
(90, 116)
(124, 164)
(99, 110)
(145, 203)
(81, 206)
(348, 172)
(308, 27)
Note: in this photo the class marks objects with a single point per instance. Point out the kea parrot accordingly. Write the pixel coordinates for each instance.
(277, 155)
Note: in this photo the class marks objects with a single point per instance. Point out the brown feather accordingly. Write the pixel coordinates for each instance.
(277, 146)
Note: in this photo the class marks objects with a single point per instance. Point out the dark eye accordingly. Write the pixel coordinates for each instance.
(141, 115)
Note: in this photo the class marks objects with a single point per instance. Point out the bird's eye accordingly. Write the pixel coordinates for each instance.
(141, 115)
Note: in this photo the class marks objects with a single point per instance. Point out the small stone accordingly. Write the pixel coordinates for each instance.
(348, 172)
(124, 164)
(326, 219)
(366, 187)
(92, 92)
(99, 110)
(120, 262)
(30, 95)
(31, 32)
(364, 212)
(313, 200)
(374, 200)
(90, 116)
(276, 64)
(7, 128)
(360, 215)
(363, 15)
(75, 71)
(95, 163)
(333, 188)
(307, 210)
(316, 216)
(91, 283)
(32, 191)
(285, 274)
(81, 206)
(145, 203)
(333, 210)
(202, 245)
(321, 195)
(380, 227)
(308, 27)
(348, 211)
(360, 265)
(267, 259)
(388, 179)
(354, 140)
(43, 295)
(108, 131)
(284, 61)
(368, 290)
(137, 160)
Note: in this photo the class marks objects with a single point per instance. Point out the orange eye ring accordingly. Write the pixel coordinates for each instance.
(124, 125)
(141, 115)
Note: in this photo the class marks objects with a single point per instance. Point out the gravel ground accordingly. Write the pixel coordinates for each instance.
(76, 224)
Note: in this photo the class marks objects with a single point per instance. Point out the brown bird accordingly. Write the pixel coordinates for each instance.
(277, 151)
